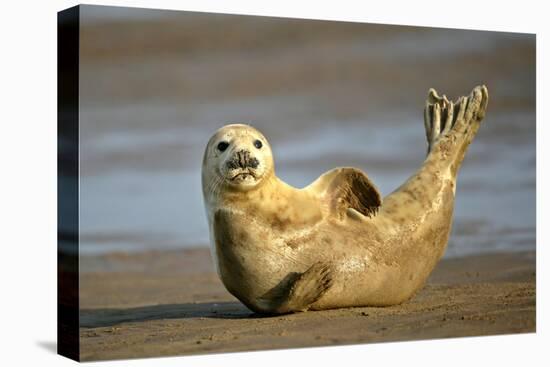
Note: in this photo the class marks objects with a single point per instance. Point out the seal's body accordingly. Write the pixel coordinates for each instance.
(334, 243)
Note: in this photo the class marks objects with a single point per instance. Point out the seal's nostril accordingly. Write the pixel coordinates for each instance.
(253, 163)
(242, 159)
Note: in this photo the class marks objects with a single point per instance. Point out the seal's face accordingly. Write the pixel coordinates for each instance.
(237, 156)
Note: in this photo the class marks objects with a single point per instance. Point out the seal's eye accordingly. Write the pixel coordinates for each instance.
(222, 145)
(258, 144)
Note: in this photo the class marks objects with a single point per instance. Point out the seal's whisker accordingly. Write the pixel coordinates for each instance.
(215, 186)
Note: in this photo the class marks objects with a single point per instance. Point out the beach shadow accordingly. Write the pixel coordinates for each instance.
(91, 318)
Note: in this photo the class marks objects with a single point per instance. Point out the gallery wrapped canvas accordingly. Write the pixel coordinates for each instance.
(237, 183)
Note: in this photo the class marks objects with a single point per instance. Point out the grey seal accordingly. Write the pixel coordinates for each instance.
(335, 243)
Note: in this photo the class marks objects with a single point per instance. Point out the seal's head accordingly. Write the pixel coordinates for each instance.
(237, 157)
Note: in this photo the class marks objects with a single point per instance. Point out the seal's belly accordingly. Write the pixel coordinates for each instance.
(254, 259)
(368, 257)
(251, 260)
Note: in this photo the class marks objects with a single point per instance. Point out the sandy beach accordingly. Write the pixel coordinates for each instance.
(172, 303)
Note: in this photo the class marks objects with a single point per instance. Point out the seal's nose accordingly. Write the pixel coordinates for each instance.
(242, 159)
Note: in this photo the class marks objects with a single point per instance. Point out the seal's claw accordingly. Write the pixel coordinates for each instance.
(432, 96)
(474, 102)
(484, 102)
(460, 121)
(449, 118)
(435, 111)
(436, 123)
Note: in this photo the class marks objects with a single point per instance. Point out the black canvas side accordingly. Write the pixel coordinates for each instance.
(68, 25)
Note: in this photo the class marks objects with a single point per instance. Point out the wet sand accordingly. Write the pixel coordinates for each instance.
(172, 303)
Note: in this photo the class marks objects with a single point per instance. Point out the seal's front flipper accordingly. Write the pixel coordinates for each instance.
(297, 292)
(348, 188)
(352, 189)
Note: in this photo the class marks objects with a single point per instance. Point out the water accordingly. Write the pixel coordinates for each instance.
(332, 97)
(132, 210)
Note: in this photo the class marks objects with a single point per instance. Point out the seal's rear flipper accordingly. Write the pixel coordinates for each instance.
(451, 126)
(297, 292)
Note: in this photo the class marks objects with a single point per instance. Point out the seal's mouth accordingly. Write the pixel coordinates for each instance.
(243, 176)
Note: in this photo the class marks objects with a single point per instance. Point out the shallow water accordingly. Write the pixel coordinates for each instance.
(351, 100)
(495, 206)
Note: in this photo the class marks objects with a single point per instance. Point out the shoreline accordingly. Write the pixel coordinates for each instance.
(172, 303)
